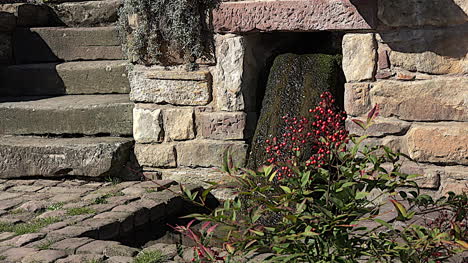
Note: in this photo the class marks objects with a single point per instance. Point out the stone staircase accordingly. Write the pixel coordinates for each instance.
(64, 106)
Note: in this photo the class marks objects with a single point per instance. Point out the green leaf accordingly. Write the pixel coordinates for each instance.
(402, 213)
(382, 222)
(305, 178)
(285, 189)
(361, 195)
(256, 232)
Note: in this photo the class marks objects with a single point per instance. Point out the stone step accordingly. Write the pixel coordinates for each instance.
(53, 44)
(49, 79)
(86, 13)
(72, 114)
(49, 157)
(63, 13)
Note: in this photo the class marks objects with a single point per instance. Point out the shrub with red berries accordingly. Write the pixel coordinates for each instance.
(309, 142)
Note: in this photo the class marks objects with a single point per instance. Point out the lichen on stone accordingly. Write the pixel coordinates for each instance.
(166, 32)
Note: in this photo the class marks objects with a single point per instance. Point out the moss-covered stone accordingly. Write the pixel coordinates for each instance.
(294, 86)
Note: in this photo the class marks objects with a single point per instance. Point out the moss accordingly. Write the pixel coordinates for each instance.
(45, 244)
(80, 211)
(55, 206)
(294, 86)
(30, 227)
(150, 256)
(165, 28)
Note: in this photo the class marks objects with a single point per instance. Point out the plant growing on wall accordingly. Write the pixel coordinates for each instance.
(166, 31)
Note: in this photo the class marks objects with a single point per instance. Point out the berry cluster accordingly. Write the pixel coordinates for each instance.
(309, 141)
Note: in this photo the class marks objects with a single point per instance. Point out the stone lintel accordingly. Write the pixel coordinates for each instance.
(301, 16)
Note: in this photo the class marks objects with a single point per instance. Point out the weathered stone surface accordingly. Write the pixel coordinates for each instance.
(120, 259)
(120, 251)
(359, 56)
(52, 44)
(228, 73)
(201, 75)
(89, 13)
(70, 245)
(223, 125)
(357, 100)
(381, 127)
(430, 174)
(78, 114)
(6, 51)
(81, 258)
(410, 13)
(439, 143)
(294, 16)
(7, 22)
(22, 240)
(209, 153)
(44, 256)
(29, 156)
(156, 155)
(428, 100)
(8, 204)
(96, 247)
(17, 254)
(84, 77)
(179, 124)
(147, 125)
(455, 180)
(177, 92)
(433, 51)
(30, 15)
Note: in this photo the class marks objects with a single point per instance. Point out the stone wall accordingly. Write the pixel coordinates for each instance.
(408, 56)
(414, 65)
(185, 121)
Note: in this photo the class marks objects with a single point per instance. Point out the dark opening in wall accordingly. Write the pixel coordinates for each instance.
(284, 74)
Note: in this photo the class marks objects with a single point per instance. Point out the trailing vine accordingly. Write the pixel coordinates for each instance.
(166, 32)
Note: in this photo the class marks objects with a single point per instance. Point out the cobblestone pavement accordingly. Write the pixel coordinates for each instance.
(82, 221)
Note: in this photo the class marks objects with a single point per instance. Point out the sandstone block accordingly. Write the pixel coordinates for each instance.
(455, 180)
(179, 123)
(94, 157)
(7, 22)
(89, 13)
(47, 256)
(356, 99)
(70, 245)
(228, 73)
(298, 16)
(144, 88)
(209, 153)
(53, 44)
(156, 155)
(381, 127)
(430, 174)
(359, 56)
(6, 51)
(83, 77)
(78, 114)
(147, 125)
(411, 13)
(428, 100)
(18, 253)
(433, 51)
(223, 125)
(439, 143)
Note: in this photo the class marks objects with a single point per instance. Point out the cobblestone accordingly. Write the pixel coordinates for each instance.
(73, 221)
